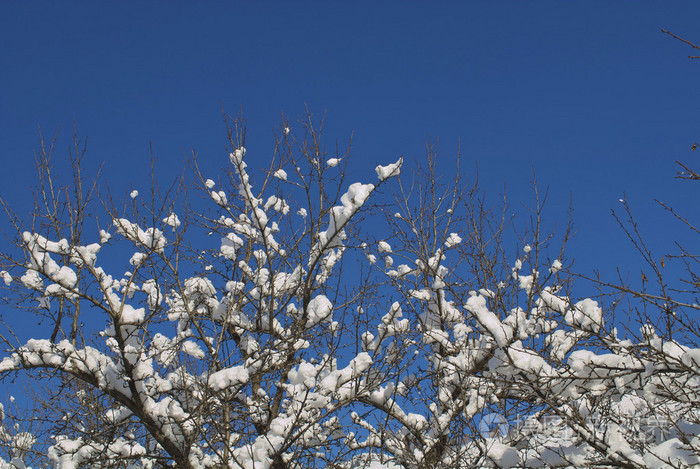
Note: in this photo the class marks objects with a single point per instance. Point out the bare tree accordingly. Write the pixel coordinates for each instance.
(287, 318)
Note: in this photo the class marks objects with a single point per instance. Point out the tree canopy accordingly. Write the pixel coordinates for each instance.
(293, 318)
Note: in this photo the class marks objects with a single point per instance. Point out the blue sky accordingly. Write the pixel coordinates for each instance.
(590, 94)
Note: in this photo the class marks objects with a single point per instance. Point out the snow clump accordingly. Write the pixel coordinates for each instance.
(384, 247)
(172, 220)
(385, 172)
(453, 240)
(556, 266)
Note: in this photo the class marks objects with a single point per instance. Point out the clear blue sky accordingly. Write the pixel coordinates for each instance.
(590, 94)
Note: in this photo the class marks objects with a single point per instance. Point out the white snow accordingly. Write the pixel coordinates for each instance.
(319, 309)
(172, 220)
(504, 456)
(32, 280)
(356, 195)
(193, 349)
(453, 240)
(228, 377)
(236, 156)
(7, 278)
(104, 236)
(477, 306)
(131, 315)
(586, 314)
(219, 198)
(556, 266)
(230, 245)
(385, 172)
(137, 259)
(151, 238)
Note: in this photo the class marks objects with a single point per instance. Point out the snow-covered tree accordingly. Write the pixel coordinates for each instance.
(261, 319)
